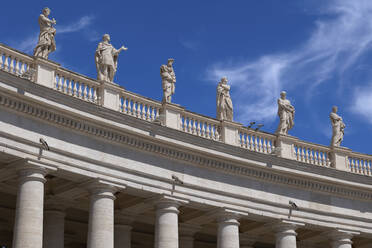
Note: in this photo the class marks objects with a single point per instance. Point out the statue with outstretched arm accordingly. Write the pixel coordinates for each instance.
(106, 58)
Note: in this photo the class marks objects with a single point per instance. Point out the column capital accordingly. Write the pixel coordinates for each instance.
(32, 174)
(169, 203)
(231, 216)
(101, 189)
(286, 227)
(341, 237)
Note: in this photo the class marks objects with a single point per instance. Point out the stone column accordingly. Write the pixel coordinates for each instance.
(166, 224)
(122, 236)
(286, 234)
(342, 239)
(28, 226)
(54, 228)
(228, 231)
(101, 216)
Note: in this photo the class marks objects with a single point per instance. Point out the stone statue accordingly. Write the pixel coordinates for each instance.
(338, 127)
(106, 58)
(46, 43)
(286, 114)
(224, 103)
(168, 78)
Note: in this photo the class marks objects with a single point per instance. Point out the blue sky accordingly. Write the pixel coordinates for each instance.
(320, 52)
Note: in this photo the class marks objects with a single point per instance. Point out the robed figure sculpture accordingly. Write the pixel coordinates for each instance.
(286, 114)
(224, 103)
(46, 43)
(338, 127)
(168, 80)
(106, 58)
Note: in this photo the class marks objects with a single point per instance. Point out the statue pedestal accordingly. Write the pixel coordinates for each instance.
(284, 146)
(45, 72)
(339, 158)
(109, 95)
(170, 115)
(230, 132)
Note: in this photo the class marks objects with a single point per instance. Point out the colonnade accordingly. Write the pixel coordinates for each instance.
(103, 233)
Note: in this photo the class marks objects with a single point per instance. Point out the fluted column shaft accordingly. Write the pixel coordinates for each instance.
(228, 231)
(285, 235)
(28, 227)
(101, 217)
(166, 226)
(122, 236)
(54, 229)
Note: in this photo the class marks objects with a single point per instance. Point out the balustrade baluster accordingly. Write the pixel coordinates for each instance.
(260, 146)
(207, 130)
(11, 64)
(89, 93)
(95, 97)
(16, 61)
(311, 156)
(129, 107)
(153, 113)
(63, 83)
(80, 90)
(214, 132)
(75, 89)
(148, 114)
(202, 128)
(6, 63)
(1, 60)
(138, 109)
(352, 165)
(22, 67)
(316, 161)
(198, 128)
(56, 79)
(125, 107)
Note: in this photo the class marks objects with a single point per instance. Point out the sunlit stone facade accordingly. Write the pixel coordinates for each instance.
(89, 164)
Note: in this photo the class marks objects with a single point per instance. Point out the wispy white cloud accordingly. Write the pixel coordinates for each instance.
(77, 26)
(27, 45)
(337, 42)
(362, 104)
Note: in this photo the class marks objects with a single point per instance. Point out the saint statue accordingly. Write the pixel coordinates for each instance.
(46, 43)
(286, 114)
(224, 103)
(338, 127)
(168, 78)
(106, 58)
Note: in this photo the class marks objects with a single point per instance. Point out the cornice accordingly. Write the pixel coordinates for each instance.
(28, 107)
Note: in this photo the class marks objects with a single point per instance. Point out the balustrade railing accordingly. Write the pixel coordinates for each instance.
(200, 125)
(138, 106)
(84, 88)
(256, 141)
(14, 62)
(311, 153)
(360, 163)
(75, 85)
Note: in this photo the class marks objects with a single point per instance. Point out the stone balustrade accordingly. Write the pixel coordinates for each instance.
(257, 141)
(360, 163)
(311, 153)
(199, 125)
(76, 85)
(14, 62)
(138, 106)
(52, 75)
